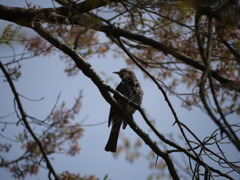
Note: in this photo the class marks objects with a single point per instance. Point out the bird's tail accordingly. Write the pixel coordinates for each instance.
(113, 138)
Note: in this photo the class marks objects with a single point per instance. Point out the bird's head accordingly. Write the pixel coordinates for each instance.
(125, 73)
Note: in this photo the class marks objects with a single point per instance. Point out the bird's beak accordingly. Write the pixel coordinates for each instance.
(116, 72)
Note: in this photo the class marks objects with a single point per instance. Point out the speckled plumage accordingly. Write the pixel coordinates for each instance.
(131, 88)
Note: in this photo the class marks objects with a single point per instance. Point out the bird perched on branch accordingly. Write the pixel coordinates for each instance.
(130, 88)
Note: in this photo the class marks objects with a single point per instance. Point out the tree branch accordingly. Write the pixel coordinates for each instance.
(194, 156)
(24, 119)
(206, 56)
(25, 17)
(103, 88)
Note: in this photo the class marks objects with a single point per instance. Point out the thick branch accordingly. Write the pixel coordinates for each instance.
(103, 88)
(167, 50)
(25, 17)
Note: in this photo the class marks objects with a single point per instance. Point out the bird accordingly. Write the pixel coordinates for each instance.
(130, 88)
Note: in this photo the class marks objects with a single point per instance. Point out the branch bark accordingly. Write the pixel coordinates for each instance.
(103, 88)
(25, 17)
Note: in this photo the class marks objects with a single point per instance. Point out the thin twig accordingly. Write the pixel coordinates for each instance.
(24, 119)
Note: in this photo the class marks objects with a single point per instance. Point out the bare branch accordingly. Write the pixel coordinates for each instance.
(103, 88)
(24, 119)
(52, 16)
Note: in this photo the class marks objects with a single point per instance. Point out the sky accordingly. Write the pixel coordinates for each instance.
(44, 77)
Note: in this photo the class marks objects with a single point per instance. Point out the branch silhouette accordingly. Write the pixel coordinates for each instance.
(87, 69)
(28, 127)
